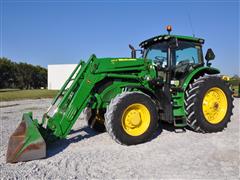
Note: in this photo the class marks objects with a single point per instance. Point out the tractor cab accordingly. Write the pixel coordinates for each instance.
(175, 54)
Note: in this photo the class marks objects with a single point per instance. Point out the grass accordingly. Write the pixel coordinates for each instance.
(10, 95)
(7, 90)
(235, 91)
(16, 94)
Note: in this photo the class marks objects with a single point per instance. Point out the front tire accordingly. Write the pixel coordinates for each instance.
(209, 104)
(131, 118)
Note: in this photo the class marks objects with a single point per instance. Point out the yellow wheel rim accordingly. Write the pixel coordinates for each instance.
(214, 105)
(136, 119)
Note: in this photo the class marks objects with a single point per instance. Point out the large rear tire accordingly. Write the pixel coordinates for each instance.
(209, 104)
(131, 118)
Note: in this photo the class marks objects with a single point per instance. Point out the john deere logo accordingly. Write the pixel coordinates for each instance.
(123, 59)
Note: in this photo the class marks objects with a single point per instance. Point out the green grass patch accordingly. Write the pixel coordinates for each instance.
(7, 90)
(235, 87)
(235, 90)
(26, 94)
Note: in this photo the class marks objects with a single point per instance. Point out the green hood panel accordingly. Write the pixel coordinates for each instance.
(103, 65)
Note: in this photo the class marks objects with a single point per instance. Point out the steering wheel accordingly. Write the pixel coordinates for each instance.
(160, 58)
(184, 62)
(182, 67)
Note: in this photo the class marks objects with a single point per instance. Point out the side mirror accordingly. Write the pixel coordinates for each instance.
(210, 55)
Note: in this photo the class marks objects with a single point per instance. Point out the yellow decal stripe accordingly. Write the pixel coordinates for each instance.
(125, 59)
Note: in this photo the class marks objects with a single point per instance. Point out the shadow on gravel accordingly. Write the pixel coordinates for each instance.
(10, 105)
(164, 126)
(167, 127)
(170, 127)
(60, 145)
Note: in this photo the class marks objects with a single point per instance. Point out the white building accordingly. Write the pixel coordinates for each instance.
(58, 74)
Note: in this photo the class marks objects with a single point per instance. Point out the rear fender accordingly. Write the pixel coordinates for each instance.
(197, 73)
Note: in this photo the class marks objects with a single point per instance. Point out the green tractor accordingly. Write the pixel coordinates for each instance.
(128, 97)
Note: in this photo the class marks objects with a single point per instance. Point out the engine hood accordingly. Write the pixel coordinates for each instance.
(102, 65)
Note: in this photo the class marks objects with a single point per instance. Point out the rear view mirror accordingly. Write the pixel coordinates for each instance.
(210, 55)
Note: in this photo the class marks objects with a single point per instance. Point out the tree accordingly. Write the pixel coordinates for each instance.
(7, 73)
(21, 75)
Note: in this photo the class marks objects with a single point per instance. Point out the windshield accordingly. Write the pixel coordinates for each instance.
(157, 52)
(186, 52)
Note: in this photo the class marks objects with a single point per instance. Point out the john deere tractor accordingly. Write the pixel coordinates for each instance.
(128, 97)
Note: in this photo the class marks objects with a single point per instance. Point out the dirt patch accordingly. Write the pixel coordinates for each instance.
(10, 105)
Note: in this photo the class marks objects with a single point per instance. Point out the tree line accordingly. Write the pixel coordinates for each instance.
(26, 76)
(235, 80)
(21, 75)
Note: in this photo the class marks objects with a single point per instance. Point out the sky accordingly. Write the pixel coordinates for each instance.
(64, 32)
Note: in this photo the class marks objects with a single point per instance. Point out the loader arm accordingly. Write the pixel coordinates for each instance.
(70, 101)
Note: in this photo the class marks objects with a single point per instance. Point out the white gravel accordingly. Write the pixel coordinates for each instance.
(88, 155)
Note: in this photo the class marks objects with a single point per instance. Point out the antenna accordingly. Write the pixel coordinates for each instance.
(190, 22)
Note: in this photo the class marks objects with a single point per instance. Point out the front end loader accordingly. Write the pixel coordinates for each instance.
(127, 97)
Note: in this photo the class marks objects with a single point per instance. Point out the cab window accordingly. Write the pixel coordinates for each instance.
(157, 52)
(187, 52)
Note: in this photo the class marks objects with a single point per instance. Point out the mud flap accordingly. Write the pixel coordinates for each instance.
(26, 143)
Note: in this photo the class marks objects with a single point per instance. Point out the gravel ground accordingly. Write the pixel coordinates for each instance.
(88, 155)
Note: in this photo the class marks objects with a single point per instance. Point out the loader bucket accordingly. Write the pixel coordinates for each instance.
(26, 143)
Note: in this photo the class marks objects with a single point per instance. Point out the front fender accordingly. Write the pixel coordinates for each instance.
(198, 72)
(110, 91)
